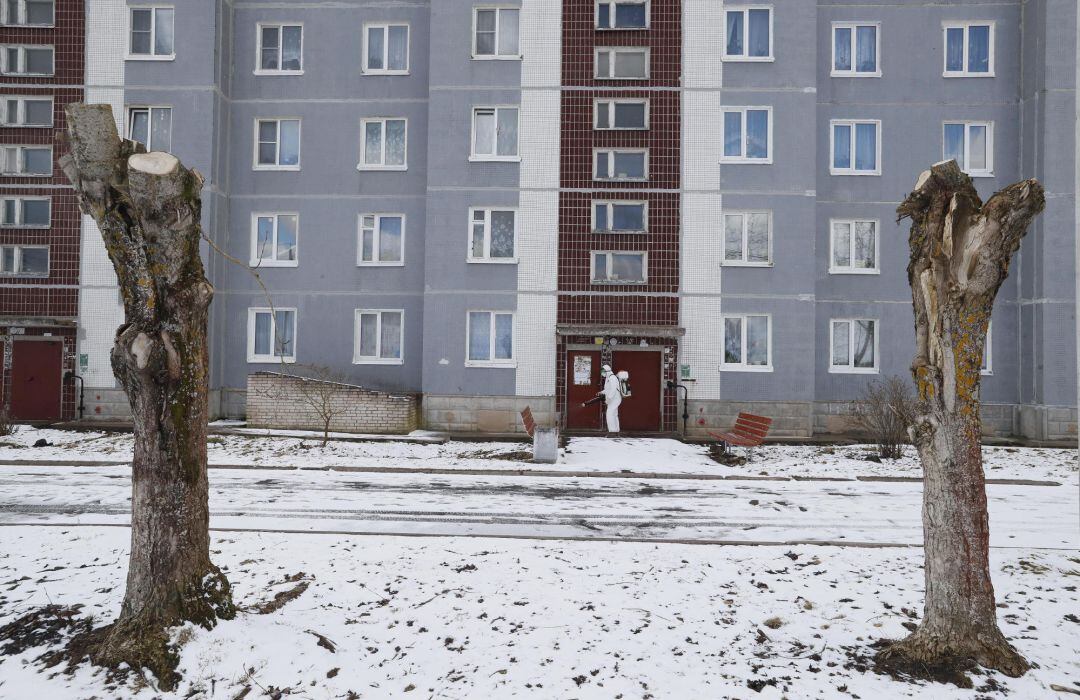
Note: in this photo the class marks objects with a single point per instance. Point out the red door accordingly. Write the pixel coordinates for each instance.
(582, 384)
(36, 373)
(640, 412)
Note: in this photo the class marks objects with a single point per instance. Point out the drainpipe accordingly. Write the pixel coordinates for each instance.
(685, 407)
(82, 389)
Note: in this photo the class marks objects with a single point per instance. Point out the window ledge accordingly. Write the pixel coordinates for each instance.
(141, 57)
(277, 168)
(607, 283)
(9, 25)
(476, 57)
(502, 364)
(36, 227)
(384, 168)
(28, 75)
(262, 264)
(746, 161)
(746, 368)
(384, 72)
(605, 77)
(986, 372)
(635, 232)
(854, 271)
(377, 361)
(740, 263)
(621, 29)
(35, 175)
(269, 360)
(979, 173)
(965, 74)
(852, 370)
(492, 261)
(27, 126)
(856, 173)
(624, 179)
(494, 159)
(277, 72)
(621, 128)
(749, 59)
(855, 74)
(22, 276)
(369, 263)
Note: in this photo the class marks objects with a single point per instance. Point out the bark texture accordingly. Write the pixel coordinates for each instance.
(960, 255)
(148, 209)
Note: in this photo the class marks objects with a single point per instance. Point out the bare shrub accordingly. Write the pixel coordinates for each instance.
(7, 426)
(884, 412)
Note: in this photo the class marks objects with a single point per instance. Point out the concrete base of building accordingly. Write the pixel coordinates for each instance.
(485, 414)
(105, 404)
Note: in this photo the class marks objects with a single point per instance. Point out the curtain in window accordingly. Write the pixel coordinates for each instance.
(508, 32)
(758, 42)
(757, 236)
(864, 343)
(866, 147)
(504, 336)
(977, 158)
(139, 128)
(284, 330)
(502, 234)
(842, 146)
(478, 234)
(757, 133)
(391, 336)
(262, 334)
(483, 132)
(865, 243)
(841, 244)
(842, 48)
(286, 242)
(757, 340)
(395, 142)
(390, 239)
(291, 38)
(399, 48)
(733, 237)
(732, 134)
(841, 352)
(979, 49)
(954, 49)
(866, 49)
(735, 33)
(954, 143)
(369, 324)
(264, 245)
(479, 335)
(163, 31)
(161, 129)
(630, 64)
(508, 132)
(733, 341)
(289, 153)
(375, 48)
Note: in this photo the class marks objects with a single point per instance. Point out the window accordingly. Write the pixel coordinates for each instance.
(987, 366)
(490, 339)
(386, 49)
(622, 63)
(25, 212)
(856, 148)
(28, 13)
(492, 235)
(748, 238)
(747, 343)
(22, 260)
(969, 49)
(747, 135)
(622, 14)
(274, 240)
(749, 34)
(280, 49)
(621, 165)
(853, 247)
(26, 60)
(151, 126)
(616, 267)
(26, 111)
(621, 114)
(385, 144)
(381, 239)
(620, 217)
(856, 52)
(854, 345)
(26, 160)
(971, 145)
(271, 335)
(495, 32)
(277, 144)
(151, 33)
(495, 133)
(378, 337)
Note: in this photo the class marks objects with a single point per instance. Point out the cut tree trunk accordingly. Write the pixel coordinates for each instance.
(960, 255)
(148, 206)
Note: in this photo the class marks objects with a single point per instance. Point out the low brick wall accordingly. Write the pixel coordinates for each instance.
(485, 414)
(278, 401)
(791, 419)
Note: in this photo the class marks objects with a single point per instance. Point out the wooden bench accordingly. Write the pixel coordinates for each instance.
(749, 431)
(545, 440)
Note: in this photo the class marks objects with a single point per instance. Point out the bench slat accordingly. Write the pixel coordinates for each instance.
(749, 431)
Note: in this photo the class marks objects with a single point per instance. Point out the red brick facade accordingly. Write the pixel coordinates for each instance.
(38, 306)
(655, 303)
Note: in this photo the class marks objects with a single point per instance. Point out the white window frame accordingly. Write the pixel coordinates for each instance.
(745, 261)
(375, 239)
(611, 164)
(850, 368)
(487, 259)
(611, 15)
(20, 70)
(853, 72)
(611, 61)
(833, 123)
(18, 248)
(498, 10)
(21, 109)
(609, 204)
(726, 366)
(966, 26)
(299, 144)
(19, 214)
(130, 122)
(128, 55)
(480, 158)
(768, 159)
(504, 362)
(385, 26)
(280, 26)
(18, 150)
(265, 359)
(592, 267)
(20, 19)
(359, 359)
(743, 57)
(363, 164)
(272, 262)
(988, 171)
(608, 103)
(835, 269)
(986, 367)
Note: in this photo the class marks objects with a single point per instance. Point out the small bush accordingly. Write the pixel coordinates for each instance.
(7, 427)
(884, 412)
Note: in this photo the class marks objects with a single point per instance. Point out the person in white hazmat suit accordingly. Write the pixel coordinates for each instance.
(612, 398)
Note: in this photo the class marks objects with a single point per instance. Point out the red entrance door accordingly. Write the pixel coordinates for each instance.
(640, 412)
(36, 373)
(582, 384)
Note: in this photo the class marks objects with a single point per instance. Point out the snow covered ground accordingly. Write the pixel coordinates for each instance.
(477, 618)
(582, 454)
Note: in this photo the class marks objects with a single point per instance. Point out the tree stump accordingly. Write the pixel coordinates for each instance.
(148, 208)
(960, 255)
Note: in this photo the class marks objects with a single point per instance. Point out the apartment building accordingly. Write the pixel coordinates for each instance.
(482, 203)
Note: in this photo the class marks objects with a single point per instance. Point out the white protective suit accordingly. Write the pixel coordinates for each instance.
(612, 397)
